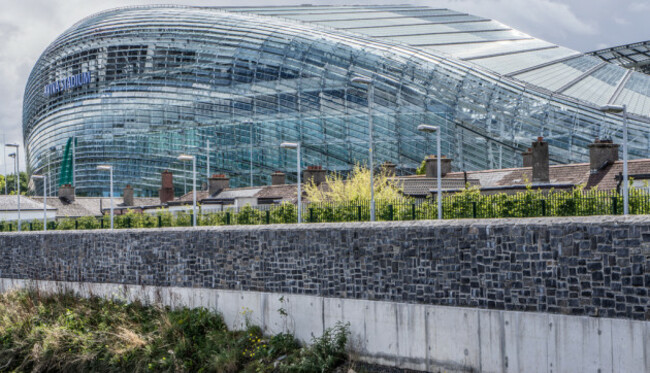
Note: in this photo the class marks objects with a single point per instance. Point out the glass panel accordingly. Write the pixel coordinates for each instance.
(636, 94)
(459, 38)
(490, 48)
(360, 24)
(433, 28)
(557, 75)
(362, 15)
(599, 86)
(318, 9)
(514, 62)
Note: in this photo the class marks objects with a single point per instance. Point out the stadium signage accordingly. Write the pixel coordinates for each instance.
(67, 83)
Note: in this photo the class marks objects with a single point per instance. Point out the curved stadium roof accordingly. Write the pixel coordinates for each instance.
(168, 79)
(489, 45)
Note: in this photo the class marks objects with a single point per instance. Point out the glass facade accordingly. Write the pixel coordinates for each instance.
(166, 80)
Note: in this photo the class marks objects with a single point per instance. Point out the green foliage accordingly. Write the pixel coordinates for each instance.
(249, 215)
(422, 168)
(64, 333)
(11, 183)
(324, 354)
(286, 212)
(355, 188)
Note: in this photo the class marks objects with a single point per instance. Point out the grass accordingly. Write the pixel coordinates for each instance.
(66, 333)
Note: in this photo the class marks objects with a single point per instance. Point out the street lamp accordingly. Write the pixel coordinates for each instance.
(4, 161)
(296, 145)
(615, 109)
(44, 178)
(185, 157)
(430, 129)
(371, 96)
(17, 166)
(109, 168)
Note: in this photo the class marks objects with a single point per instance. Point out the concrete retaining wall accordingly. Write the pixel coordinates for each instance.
(415, 336)
(423, 295)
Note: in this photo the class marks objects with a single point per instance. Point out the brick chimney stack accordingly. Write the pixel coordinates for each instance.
(278, 178)
(601, 154)
(315, 174)
(217, 183)
(166, 191)
(127, 197)
(431, 166)
(66, 193)
(540, 161)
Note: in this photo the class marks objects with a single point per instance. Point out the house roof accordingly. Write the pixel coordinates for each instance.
(91, 206)
(421, 186)
(566, 174)
(10, 203)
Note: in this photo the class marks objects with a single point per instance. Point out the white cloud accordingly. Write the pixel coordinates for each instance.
(620, 20)
(639, 7)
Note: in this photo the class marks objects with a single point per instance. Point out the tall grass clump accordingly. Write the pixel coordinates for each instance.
(65, 333)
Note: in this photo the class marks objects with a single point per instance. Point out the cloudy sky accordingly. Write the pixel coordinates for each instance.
(27, 27)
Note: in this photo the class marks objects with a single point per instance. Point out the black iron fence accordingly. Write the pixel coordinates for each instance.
(458, 206)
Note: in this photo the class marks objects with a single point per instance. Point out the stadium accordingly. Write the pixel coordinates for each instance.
(135, 87)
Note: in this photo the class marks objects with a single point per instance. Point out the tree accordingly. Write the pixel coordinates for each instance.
(11, 183)
(355, 188)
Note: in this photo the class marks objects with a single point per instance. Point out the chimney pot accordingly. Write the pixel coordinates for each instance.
(431, 166)
(540, 161)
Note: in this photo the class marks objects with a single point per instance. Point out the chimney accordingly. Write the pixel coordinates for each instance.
(389, 168)
(166, 191)
(66, 193)
(540, 161)
(431, 166)
(601, 154)
(127, 198)
(315, 174)
(217, 183)
(527, 157)
(278, 178)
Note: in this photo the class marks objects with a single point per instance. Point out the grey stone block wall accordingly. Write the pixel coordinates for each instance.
(596, 266)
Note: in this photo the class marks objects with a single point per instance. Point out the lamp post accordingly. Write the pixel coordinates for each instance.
(296, 145)
(185, 157)
(4, 161)
(430, 129)
(44, 178)
(207, 158)
(622, 109)
(109, 168)
(17, 166)
(371, 96)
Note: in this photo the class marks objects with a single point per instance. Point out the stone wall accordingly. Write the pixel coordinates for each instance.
(595, 266)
